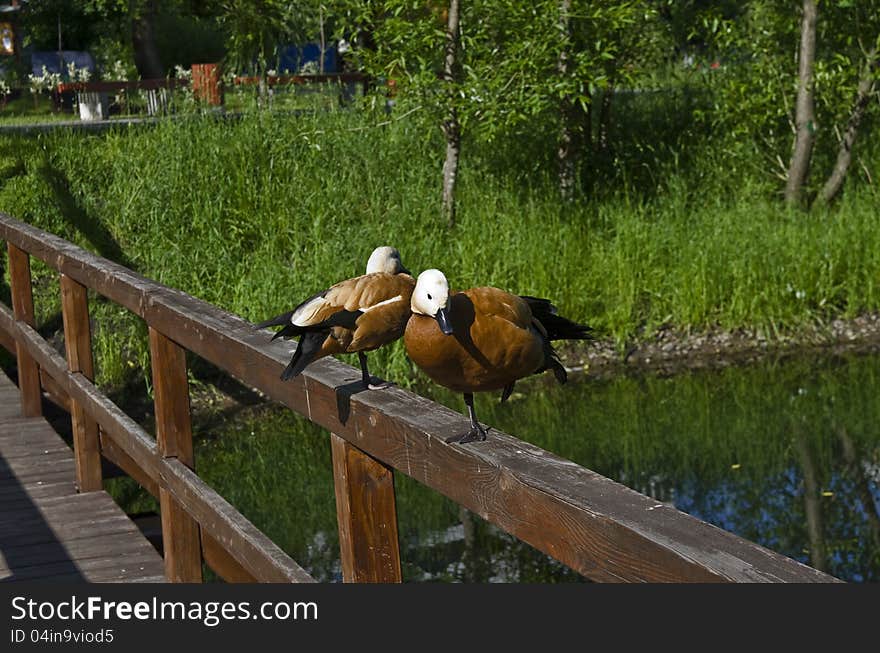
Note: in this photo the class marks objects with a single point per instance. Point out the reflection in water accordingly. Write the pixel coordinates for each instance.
(786, 454)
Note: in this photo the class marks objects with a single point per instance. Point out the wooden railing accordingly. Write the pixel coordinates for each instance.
(99, 86)
(596, 526)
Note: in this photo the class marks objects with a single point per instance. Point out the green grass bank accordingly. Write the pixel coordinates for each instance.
(256, 213)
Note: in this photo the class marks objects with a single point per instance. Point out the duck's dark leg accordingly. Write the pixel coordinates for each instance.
(477, 432)
(365, 375)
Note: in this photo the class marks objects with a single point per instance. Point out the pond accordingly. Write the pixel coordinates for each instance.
(785, 453)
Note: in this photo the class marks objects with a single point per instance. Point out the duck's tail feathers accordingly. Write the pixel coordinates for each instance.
(307, 350)
(556, 326)
(289, 329)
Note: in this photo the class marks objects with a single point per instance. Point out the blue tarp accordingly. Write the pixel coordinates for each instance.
(293, 57)
(57, 62)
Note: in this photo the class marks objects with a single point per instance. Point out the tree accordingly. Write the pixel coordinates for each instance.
(762, 99)
(255, 28)
(867, 89)
(486, 68)
(451, 125)
(805, 115)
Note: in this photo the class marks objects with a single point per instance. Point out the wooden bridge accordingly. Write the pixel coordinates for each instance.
(57, 522)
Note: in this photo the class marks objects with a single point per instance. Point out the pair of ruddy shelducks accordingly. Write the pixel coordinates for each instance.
(476, 340)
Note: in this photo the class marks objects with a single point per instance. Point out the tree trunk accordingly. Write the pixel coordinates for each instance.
(812, 505)
(602, 143)
(863, 488)
(865, 91)
(451, 125)
(146, 54)
(805, 117)
(570, 143)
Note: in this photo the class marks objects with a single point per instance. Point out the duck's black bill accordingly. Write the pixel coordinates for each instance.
(404, 270)
(442, 318)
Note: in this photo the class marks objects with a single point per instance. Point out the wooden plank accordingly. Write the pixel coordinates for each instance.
(120, 544)
(38, 533)
(171, 389)
(48, 464)
(180, 532)
(78, 346)
(29, 432)
(109, 569)
(367, 515)
(36, 490)
(7, 342)
(76, 537)
(74, 505)
(261, 557)
(10, 483)
(12, 450)
(596, 526)
(10, 401)
(23, 309)
(54, 392)
(115, 454)
(223, 563)
(111, 86)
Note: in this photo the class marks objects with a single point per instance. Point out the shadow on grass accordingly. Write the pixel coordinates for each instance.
(89, 226)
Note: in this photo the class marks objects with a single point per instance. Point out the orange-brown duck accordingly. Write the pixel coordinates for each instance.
(483, 339)
(353, 316)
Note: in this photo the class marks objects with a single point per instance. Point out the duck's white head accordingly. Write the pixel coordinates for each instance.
(385, 259)
(431, 298)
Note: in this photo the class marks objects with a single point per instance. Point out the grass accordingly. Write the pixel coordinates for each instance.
(257, 213)
(28, 108)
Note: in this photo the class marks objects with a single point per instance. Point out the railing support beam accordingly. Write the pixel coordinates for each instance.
(180, 532)
(23, 309)
(367, 515)
(78, 346)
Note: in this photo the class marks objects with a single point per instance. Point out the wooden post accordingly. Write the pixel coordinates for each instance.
(23, 309)
(78, 345)
(367, 515)
(180, 532)
(206, 84)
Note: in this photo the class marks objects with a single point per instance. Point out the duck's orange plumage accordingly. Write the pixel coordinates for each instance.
(495, 341)
(483, 339)
(353, 316)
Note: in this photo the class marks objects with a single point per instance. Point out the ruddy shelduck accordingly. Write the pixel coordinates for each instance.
(483, 339)
(353, 316)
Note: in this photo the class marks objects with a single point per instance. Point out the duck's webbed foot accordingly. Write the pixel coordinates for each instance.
(371, 382)
(376, 383)
(477, 432)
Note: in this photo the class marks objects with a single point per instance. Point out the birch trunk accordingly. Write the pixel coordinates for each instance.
(867, 85)
(805, 116)
(451, 125)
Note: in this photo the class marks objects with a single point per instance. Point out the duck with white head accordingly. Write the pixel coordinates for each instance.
(483, 339)
(353, 316)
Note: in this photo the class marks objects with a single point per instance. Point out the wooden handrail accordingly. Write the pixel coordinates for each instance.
(280, 80)
(594, 525)
(111, 86)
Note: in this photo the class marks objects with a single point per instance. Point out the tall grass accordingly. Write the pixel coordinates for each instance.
(256, 214)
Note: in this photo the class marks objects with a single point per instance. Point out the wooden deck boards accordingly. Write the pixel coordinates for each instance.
(49, 532)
